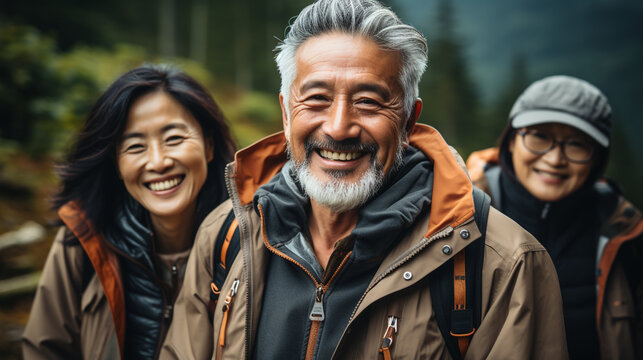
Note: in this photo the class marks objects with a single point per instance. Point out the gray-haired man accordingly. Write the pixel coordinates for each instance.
(348, 215)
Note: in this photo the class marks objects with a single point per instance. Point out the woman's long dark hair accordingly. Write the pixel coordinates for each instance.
(90, 175)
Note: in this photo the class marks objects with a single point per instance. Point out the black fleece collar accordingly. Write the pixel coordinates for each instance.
(381, 220)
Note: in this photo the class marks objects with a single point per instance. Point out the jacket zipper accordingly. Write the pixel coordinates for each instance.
(404, 258)
(387, 340)
(245, 248)
(317, 314)
(408, 255)
(226, 311)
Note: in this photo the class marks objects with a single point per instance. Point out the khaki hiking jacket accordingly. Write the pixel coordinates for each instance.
(72, 316)
(521, 303)
(63, 310)
(619, 308)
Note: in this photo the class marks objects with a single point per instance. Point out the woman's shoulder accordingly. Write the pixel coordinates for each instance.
(618, 215)
(480, 160)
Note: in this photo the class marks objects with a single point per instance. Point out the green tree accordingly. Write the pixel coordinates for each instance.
(448, 91)
(496, 115)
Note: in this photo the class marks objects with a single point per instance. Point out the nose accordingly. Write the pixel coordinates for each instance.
(157, 159)
(341, 123)
(555, 156)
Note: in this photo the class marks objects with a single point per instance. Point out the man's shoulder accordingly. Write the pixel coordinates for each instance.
(210, 227)
(215, 217)
(509, 240)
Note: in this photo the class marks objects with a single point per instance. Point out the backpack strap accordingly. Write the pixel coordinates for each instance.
(226, 248)
(456, 287)
(492, 173)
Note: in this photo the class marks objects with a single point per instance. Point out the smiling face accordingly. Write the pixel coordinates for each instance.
(346, 121)
(550, 176)
(162, 157)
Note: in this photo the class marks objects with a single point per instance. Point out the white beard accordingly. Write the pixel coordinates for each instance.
(337, 194)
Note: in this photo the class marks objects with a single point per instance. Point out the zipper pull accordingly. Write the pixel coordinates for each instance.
(317, 314)
(175, 276)
(545, 211)
(167, 312)
(226, 306)
(387, 340)
(233, 291)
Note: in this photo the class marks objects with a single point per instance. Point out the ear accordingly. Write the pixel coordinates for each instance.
(284, 116)
(512, 143)
(412, 120)
(209, 149)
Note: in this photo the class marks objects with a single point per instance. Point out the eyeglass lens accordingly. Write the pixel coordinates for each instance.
(574, 149)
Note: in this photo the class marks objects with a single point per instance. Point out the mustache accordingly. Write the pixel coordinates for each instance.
(348, 145)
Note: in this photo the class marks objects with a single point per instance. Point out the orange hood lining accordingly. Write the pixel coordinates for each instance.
(104, 261)
(452, 202)
(606, 262)
(479, 159)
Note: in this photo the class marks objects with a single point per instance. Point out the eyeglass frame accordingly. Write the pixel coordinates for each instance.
(524, 131)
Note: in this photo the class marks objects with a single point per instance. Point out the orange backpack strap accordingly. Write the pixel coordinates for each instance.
(226, 248)
(456, 287)
(226, 242)
(461, 317)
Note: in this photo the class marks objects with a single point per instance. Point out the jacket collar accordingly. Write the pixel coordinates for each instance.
(452, 200)
(104, 261)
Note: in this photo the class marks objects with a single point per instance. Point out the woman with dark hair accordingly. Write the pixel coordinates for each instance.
(546, 176)
(146, 169)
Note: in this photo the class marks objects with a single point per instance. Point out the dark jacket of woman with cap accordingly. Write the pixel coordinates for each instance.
(546, 175)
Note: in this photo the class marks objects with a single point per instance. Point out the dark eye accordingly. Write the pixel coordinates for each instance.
(174, 140)
(578, 143)
(368, 102)
(134, 148)
(540, 135)
(316, 98)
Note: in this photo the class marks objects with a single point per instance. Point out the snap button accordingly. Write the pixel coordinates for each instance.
(446, 249)
(464, 233)
(407, 275)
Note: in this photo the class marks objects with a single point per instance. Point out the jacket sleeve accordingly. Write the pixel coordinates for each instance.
(53, 328)
(190, 334)
(522, 304)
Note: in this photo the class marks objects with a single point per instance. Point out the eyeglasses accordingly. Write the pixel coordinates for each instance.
(575, 149)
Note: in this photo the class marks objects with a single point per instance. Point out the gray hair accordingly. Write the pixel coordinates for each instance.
(367, 18)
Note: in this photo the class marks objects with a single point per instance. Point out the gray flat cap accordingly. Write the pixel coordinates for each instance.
(564, 100)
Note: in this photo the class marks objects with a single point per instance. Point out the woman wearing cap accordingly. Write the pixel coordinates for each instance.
(545, 175)
(146, 168)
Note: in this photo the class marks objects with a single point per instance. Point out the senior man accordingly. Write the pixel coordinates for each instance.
(346, 215)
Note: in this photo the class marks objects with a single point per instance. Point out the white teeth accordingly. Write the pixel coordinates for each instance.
(551, 175)
(343, 156)
(164, 185)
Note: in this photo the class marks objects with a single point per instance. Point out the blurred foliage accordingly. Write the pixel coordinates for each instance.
(53, 69)
(450, 99)
(251, 115)
(45, 93)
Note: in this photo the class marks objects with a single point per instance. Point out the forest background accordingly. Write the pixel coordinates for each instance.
(56, 57)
